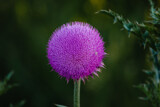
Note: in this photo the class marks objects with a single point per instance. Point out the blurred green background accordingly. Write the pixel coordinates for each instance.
(26, 26)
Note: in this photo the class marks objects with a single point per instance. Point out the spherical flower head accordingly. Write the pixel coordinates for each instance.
(75, 50)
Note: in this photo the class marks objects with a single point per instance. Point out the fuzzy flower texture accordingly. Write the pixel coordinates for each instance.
(76, 50)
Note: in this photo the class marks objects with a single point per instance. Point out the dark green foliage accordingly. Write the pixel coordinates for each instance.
(151, 91)
(148, 33)
(58, 105)
(4, 86)
(20, 104)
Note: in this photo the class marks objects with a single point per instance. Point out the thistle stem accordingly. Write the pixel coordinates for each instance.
(76, 99)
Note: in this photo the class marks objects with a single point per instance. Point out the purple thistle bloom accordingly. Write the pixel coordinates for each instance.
(76, 50)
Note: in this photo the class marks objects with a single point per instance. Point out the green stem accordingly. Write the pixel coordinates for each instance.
(76, 99)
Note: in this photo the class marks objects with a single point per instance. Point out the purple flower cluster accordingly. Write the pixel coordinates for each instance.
(75, 50)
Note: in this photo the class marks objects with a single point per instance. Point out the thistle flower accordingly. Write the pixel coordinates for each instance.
(75, 50)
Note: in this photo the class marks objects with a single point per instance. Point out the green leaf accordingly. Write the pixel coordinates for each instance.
(20, 104)
(148, 33)
(4, 86)
(8, 77)
(58, 105)
(143, 98)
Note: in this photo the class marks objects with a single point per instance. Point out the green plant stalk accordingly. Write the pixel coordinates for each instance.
(76, 98)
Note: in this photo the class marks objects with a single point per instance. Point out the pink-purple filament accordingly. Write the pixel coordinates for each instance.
(75, 50)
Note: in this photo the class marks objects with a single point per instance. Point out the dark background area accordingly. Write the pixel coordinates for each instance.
(26, 26)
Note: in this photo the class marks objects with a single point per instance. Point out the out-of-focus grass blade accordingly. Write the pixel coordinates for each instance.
(58, 105)
(8, 77)
(20, 104)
